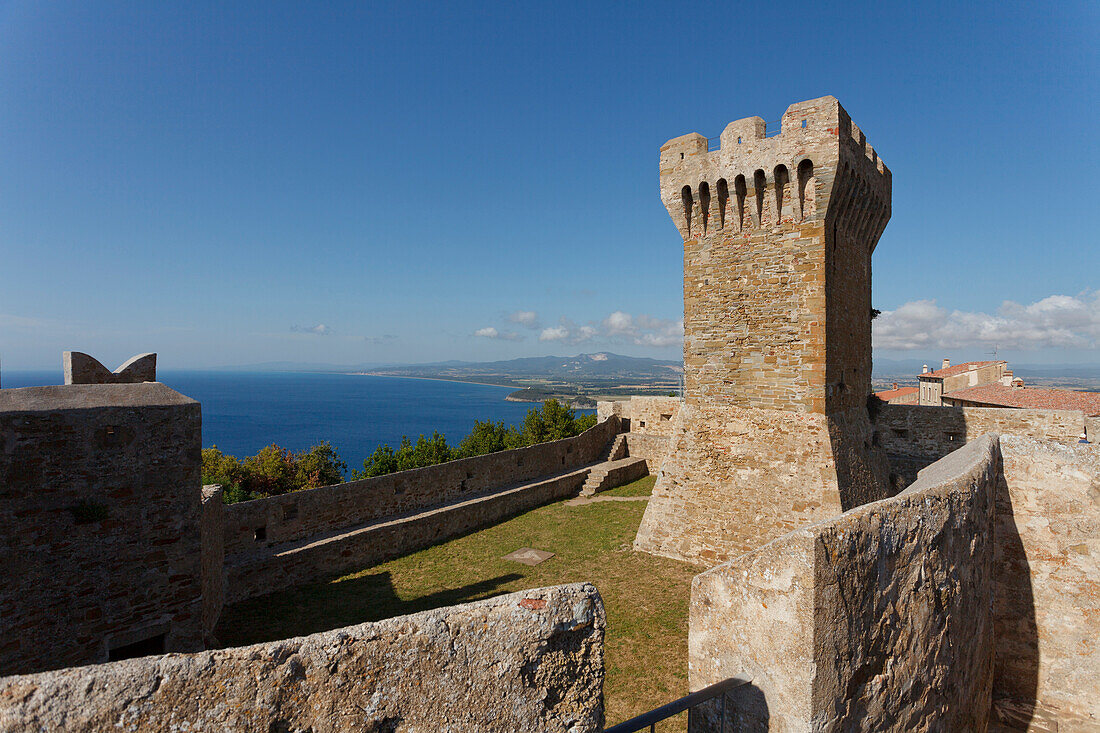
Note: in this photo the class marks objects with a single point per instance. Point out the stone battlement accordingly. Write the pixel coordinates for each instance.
(705, 189)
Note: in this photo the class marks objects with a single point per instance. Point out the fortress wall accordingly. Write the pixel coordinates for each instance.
(737, 478)
(878, 619)
(527, 661)
(262, 523)
(294, 563)
(653, 448)
(915, 436)
(100, 522)
(1047, 602)
(647, 415)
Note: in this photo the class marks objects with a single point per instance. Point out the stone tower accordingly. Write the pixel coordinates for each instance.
(778, 234)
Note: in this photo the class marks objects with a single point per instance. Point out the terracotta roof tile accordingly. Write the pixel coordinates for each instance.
(895, 393)
(957, 369)
(1037, 398)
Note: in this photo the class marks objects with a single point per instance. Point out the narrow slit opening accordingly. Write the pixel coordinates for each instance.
(704, 203)
(781, 180)
(723, 199)
(685, 194)
(759, 183)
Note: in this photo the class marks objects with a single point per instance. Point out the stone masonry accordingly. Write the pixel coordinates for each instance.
(778, 233)
(100, 519)
(529, 661)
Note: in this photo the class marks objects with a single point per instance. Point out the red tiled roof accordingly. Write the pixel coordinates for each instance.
(895, 393)
(1036, 398)
(957, 369)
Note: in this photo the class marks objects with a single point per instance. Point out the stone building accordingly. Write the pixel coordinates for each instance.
(934, 385)
(778, 231)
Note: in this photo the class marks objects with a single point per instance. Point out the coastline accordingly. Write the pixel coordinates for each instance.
(430, 379)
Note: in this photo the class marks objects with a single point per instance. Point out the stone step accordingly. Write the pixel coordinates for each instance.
(608, 475)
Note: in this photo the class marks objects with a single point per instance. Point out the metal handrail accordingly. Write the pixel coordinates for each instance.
(676, 707)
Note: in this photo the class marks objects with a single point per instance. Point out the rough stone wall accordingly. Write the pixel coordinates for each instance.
(530, 661)
(915, 436)
(653, 448)
(647, 415)
(1092, 428)
(303, 514)
(879, 619)
(100, 522)
(1047, 603)
(778, 234)
(213, 560)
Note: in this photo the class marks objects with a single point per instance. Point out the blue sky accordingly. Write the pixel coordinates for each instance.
(232, 183)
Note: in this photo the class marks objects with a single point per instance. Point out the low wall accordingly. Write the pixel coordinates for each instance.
(1047, 604)
(879, 619)
(263, 522)
(916, 436)
(528, 661)
(270, 569)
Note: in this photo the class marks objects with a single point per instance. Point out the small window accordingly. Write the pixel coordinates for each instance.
(143, 648)
(681, 156)
(901, 432)
(666, 417)
(953, 437)
(738, 139)
(641, 423)
(519, 461)
(290, 511)
(260, 535)
(803, 124)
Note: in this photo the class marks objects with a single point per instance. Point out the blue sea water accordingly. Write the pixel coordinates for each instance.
(244, 411)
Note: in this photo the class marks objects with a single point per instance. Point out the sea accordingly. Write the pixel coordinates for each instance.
(244, 411)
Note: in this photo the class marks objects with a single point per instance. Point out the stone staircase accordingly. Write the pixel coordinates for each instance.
(615, 470)
(617, 449)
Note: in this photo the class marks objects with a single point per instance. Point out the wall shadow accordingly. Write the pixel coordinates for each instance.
(745, 710)
(322, 606)
(1015, 632)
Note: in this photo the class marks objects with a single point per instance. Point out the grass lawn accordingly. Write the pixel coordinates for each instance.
(646, 597)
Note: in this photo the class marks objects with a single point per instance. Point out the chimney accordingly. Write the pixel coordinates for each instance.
(895, 386)
(946, 363)
(1017, 383)
(924, 370)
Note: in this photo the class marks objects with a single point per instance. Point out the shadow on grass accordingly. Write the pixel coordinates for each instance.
(319, 607)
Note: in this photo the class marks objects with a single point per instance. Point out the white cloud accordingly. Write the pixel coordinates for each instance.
(527, 319)
(1057, 321)
(320, 329)
(491, 333)
(619, 323)
(557, 333)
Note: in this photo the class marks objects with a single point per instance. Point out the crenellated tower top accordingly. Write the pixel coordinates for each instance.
(798, 165)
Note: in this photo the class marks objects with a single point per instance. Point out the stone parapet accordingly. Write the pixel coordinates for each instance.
(530, 661)
(878, 619)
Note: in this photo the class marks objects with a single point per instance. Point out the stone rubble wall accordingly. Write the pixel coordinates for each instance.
(737, 478)
(303, 514)
(879, 619)
(1047, 602)
(916, 436)
(100, 490)
(530, 661)
(653, 448)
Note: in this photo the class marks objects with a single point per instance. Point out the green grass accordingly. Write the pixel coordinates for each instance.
(646, 597)
(641, 487)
